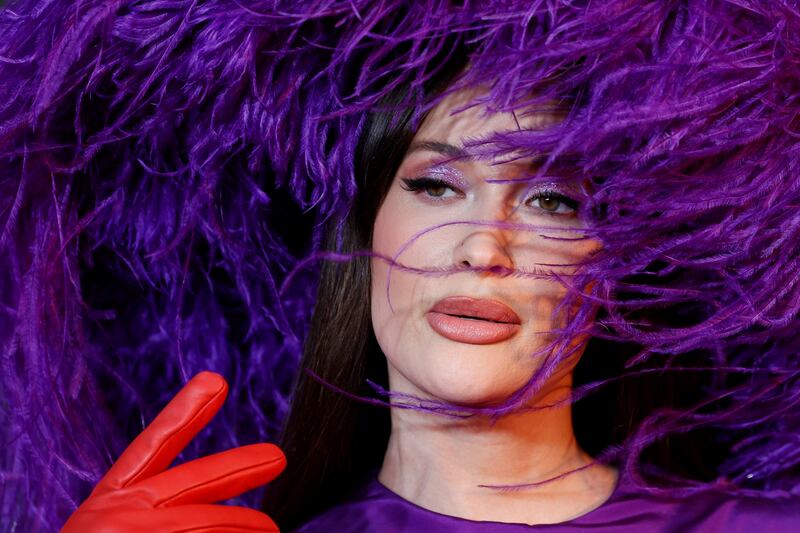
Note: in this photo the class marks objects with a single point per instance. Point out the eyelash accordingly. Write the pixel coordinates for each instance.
(417, 185)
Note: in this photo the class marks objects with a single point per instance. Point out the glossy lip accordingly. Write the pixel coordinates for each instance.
(473, 320)
(477, 308)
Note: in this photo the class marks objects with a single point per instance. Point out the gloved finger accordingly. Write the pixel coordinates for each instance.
(219, 519)
(184, 519)
(214, 518)
(161, 441)
(215, 477)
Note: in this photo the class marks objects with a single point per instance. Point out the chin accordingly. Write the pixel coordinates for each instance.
(459, 379)
(482, 400)
(472, 390)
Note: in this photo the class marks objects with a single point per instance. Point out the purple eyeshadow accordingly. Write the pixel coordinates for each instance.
(450, 175)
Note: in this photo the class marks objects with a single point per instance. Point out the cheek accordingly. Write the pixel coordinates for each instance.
(546, 248)
(379, 303)
(398, 313)
(394, 228)
(387, 240)
(395, 311)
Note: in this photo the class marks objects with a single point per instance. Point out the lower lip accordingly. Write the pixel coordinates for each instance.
(470, 331)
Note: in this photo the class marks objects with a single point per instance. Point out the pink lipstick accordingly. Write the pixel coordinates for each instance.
(473, 320)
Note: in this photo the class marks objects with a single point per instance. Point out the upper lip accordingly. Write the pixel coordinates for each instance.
(477, 308)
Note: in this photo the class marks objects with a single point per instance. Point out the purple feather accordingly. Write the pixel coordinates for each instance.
(151, 150)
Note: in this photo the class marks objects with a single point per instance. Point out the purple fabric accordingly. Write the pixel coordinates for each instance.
(376, 508)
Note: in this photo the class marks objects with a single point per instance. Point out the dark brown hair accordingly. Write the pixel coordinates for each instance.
(332, 442)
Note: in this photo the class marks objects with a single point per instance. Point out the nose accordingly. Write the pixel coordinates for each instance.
(484, 249)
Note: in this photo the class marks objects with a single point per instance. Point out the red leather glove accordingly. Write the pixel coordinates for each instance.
(139, 494)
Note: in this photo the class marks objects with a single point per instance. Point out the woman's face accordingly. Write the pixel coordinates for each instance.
(435, 354)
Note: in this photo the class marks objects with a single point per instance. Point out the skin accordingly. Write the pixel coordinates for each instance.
(437, 462)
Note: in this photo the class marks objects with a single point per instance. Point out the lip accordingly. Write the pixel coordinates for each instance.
(477, 308)
(473, 320)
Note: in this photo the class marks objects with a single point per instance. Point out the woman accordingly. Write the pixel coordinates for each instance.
(443, 358)
(165, 136)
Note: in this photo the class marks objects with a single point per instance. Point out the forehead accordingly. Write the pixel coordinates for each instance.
(459, 117)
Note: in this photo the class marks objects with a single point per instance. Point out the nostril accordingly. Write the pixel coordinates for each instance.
(500, 270)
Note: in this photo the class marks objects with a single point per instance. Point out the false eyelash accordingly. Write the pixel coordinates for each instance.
(421, 183)
(418, 184)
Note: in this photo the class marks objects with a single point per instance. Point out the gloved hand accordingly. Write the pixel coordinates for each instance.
(139, 494)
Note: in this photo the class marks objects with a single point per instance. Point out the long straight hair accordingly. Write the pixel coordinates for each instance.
(333, 443)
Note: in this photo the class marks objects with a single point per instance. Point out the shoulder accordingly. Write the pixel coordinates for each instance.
(364, 510)
(732, 513)
(633, 508)
(780, 513)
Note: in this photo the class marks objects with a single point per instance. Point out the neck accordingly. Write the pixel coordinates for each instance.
(439, 463)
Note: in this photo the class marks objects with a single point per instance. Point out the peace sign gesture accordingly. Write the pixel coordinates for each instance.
(139, 494)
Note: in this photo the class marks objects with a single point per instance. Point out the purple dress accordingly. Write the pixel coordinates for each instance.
(375, 508)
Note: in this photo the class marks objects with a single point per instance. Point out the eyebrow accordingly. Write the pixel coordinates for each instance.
(457, 152)
(439, 147)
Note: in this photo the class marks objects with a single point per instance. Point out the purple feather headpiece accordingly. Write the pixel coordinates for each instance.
(151, 152)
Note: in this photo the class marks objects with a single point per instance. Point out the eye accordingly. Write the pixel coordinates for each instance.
(435, 188)
(554, 203)
(551, 202)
